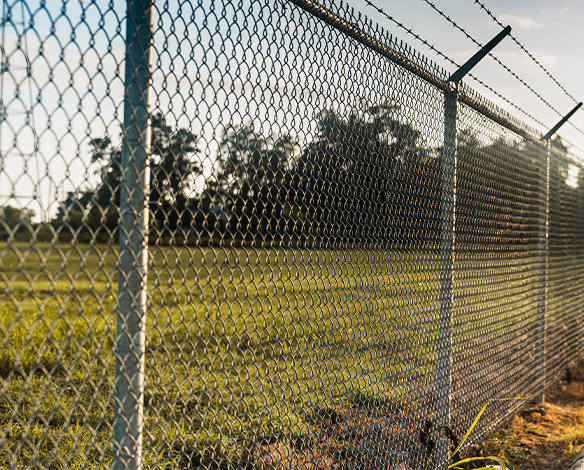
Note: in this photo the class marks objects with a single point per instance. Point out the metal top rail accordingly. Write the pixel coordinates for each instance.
(368, 40)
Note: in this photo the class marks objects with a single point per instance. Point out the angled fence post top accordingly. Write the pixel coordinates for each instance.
(561, 122)
(448, 241)
(475, 59)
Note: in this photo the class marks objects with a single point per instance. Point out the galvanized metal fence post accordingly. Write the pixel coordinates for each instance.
(129, 381)
(543, 254)
(448, 215)
(544, 190)
(447, 244)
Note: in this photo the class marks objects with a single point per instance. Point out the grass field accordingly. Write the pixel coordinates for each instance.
(243, 346)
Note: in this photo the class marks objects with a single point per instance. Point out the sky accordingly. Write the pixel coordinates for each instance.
(75, 87)
(550, 30)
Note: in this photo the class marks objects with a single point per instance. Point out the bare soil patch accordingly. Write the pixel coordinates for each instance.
(360, 436)
(546, 436)
(365, 436)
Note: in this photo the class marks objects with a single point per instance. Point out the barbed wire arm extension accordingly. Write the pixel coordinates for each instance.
(524, 49)
(475, 59)
(533, 58)
(554, 129)
(442, 55)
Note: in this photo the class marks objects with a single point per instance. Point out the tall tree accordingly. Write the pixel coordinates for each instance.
(252, 179)
(356, 176)
(173, 168)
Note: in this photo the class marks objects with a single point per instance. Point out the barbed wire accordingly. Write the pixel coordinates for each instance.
(524, 49)
(523, 82)
(533, 58)
(571, 124)
(495, 58)
(452, 62)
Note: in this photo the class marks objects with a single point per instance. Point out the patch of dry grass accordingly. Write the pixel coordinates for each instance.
(546, 436)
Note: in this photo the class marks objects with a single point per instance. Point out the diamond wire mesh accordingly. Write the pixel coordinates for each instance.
(565, 296)
(294, 243)
(497, 266)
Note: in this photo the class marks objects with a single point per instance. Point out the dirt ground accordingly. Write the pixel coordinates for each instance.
(541, 437)
(544, 436)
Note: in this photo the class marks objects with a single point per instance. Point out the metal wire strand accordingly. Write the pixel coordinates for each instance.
(508, 69)
(524, 49)
(455, 64)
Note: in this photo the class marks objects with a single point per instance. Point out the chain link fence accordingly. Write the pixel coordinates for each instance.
(266, 234)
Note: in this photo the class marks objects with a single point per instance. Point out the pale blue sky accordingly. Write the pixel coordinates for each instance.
(85, 93)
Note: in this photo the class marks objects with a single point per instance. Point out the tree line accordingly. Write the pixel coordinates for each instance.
(366, 177)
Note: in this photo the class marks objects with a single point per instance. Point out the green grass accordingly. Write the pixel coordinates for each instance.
(243, 346)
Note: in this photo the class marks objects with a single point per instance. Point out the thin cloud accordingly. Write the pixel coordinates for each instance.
(523, 22)
(548, 60)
